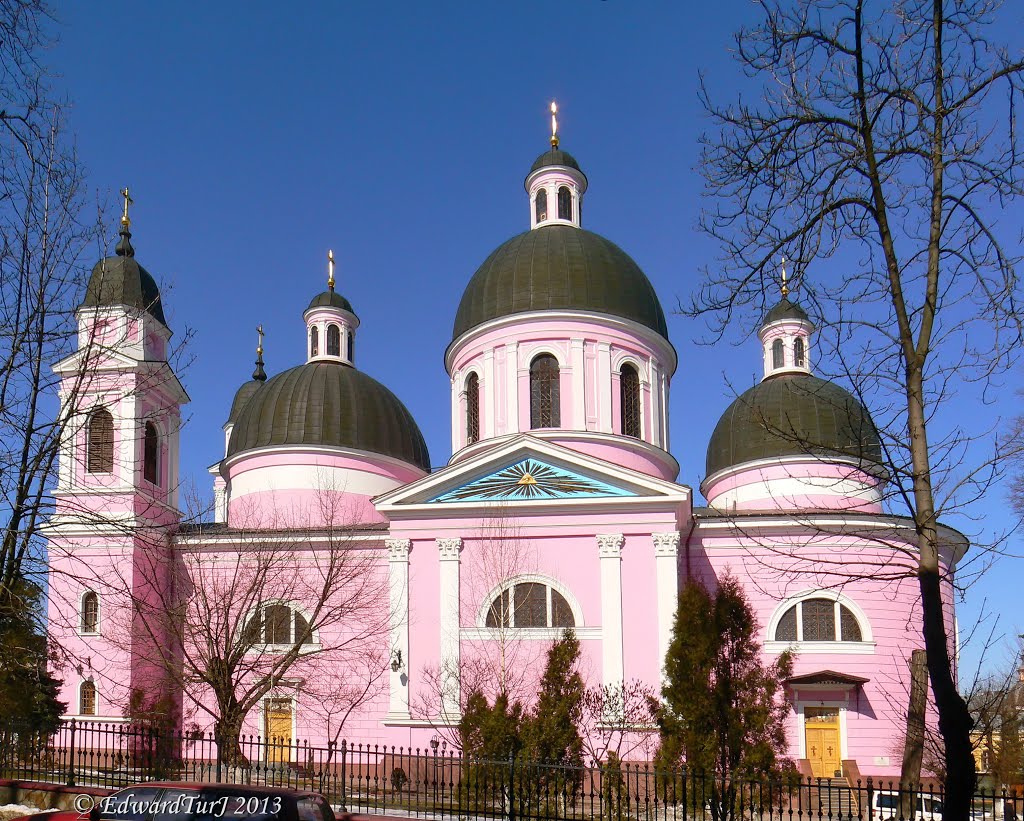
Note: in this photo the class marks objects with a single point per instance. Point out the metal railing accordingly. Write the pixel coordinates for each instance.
(370, 778)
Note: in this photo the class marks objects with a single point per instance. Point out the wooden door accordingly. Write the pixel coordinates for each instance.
(821, 730)
(277, 729)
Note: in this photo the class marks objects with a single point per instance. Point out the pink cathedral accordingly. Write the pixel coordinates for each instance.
(360, 591)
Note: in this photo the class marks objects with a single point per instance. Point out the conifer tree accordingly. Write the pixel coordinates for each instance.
(552, 734)
(721, 711)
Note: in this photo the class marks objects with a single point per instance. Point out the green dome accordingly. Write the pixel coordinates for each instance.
(793, 415)
(242, 396)
(330, 404)
(330, 299)
(559, 268)
(121, 281)
(785, 310)
(555, 156)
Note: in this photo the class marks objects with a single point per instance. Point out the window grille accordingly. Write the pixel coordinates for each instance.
(817, 620)
(472, 409)
(798, 352)
(542, 205)
(314, 341)
(90, 612)
(333, 340)
(564, 203)
(530, 604)
(544, 393)
(87, 699)
(629, 389)
(778, 354)
(100, 445)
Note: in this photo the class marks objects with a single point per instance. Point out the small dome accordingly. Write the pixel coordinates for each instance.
(121, 281)
(793, 414)
(559, 267)
(555, 156)
(331, 299)
(330, 404)
(242, 396)
(785, 310)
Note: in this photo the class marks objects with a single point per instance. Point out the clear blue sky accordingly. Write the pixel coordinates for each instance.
(256, 135)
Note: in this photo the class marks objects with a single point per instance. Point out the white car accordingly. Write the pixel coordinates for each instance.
(887, 807)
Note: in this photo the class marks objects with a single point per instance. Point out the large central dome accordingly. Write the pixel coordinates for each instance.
(559, 267)
(332, 404)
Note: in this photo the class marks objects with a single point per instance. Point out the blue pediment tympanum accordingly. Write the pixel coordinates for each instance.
(530, 480)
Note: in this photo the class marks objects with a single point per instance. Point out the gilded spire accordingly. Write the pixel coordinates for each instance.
(259, 374)
(124, 245)
(554, 124)
(330, 271)
(785, 282)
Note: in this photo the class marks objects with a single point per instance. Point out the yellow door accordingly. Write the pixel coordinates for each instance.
(277, 727)
(821, 729)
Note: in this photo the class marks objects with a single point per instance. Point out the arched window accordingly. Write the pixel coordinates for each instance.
(100, 444)
(90, 612)
(564, 203)
(530, 604)
(629, 391)
(818, 620)
(472, 409)
(87, 699)
(280, 625)
(351, 346)
(151, 454)
(545, 411)
(333, 340)
(778, 354)
(314, 341)
(542, 205)
(798, 352)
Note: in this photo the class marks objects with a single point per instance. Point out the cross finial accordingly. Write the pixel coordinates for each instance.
(125, 219)
(554, 124)
(785, 283)
(259, 345)
(260, 375)
(330, 270)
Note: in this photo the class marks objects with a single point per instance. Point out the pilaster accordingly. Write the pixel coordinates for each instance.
(666, 573)
(609, 548)
(448, 597)
(398, 589)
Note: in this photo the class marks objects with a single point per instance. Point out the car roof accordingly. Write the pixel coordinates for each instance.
(217, 786)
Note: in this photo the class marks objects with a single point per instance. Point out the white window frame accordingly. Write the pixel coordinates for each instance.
(541, 632)
(262, 647)
(81, 613)
(865, 646)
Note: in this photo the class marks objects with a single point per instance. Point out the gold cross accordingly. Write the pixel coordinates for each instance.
(259, 346)
(125, 219)
(554, 125)
(330, 270)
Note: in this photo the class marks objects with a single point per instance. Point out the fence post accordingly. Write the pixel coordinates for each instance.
(871, 799)
(71, 755)
(341, 795)
(682, 790)
(511, 787)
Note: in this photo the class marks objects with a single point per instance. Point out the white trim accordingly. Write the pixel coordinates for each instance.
(547, 581)
(610, 553)
(96, 699)
(398, 590)
(528, 633)
(839, 648)
(449, 563)
(539, 349)
(81, 613)
(866, 635)
(801, 726)
(666, 559)
(313, 646)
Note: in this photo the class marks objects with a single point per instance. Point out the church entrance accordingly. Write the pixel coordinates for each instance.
(277, 729)
(821, 731)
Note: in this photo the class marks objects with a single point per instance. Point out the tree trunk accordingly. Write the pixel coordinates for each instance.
(226, 731)
(913, 749)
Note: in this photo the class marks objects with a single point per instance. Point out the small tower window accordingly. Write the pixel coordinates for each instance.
(90, 612)
(545, 411)
(87, 699)
(472, 409)
(333, 340)
(542, 205)
(100, 444)
(564, 203)
(778, 354)
(150, 454)
(798, 352)
(314, 341)
(350, 337)
(629, 392)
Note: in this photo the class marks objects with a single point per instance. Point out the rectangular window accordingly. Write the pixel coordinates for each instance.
(819, 620)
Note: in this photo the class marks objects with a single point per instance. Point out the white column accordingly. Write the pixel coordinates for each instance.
(579, 407)
(126, 422)
(654, 375)
(666, 444)
(490, 395)
(512, 387)
(448, 596)
(456, 416)
(398, 627)
(666, 579)
(604, 387)
(76, 430)
(609, 548)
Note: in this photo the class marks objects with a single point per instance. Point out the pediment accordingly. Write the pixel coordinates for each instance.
(529, 471)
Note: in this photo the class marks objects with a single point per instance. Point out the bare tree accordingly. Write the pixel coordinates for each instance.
(617, 721)
(230, 617)
(885, 128)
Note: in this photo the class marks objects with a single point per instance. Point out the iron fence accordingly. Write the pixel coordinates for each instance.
(368, 778)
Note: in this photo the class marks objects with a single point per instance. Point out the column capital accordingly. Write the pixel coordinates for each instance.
(609, 545)
(666, 544)
(449, 549)
(398, 549)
